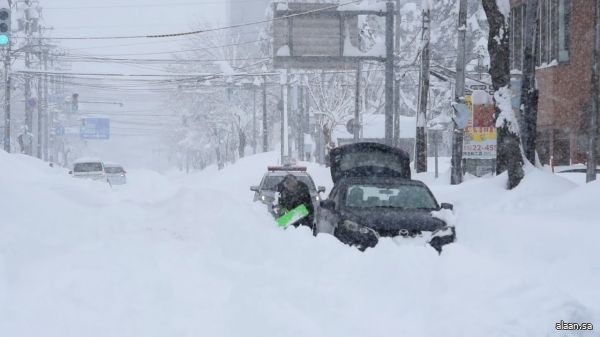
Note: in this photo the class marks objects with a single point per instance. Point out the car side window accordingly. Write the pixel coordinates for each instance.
(262, 182)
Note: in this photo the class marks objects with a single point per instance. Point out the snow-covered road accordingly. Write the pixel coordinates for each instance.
(191, 255)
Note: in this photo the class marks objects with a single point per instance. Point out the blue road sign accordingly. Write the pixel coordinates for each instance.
(59, 130)
(95, 128)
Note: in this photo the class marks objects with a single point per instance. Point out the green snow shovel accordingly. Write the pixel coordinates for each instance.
(292, 216)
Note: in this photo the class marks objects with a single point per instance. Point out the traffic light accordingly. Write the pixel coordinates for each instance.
(4, 27)
(75, 103)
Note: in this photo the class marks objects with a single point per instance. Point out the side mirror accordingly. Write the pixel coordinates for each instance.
(321, 189)
(328, 204)
(446, 205)
(254, 188)
(70, 172)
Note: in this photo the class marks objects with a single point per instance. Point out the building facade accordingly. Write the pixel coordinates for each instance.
(563, 46)
(239, 12)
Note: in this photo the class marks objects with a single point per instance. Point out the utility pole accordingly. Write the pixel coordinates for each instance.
(456, 174)
(421, 137)
(389, 73)
(397, 80)
(306, 98)
(264, 113)
(7, 92)
(595, 91)
(357, 125)
(284, 81)
(5, 43)
(40, 109)
(529, 94)
(254, 140)
(27, 91)
(301, 113)
(48, 119)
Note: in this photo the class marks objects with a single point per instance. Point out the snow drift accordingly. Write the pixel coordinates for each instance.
(190, 255)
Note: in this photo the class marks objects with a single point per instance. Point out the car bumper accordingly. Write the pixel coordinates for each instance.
(369, 238)
(99, 178)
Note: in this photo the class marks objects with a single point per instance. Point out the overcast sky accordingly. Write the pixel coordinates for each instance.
(133, 141)
(75, 18)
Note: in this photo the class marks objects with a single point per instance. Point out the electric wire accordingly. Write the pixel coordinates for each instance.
(196, 32)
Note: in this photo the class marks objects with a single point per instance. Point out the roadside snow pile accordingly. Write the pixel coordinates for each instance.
(190, 255)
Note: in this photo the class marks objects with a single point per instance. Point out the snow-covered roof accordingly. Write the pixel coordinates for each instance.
(374, 126)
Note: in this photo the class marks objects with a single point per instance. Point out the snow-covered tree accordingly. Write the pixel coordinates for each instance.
(509, 156)
(218, 105)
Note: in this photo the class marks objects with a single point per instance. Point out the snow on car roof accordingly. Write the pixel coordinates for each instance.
(285, 173)
(87, 160)
(112, 164)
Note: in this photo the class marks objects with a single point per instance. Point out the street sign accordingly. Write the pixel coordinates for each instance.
(478, 87)
(480, 134)
(321, 35)
(461, 115)
(32, 103)
(351, 125)
(59, 130)
(95, 128)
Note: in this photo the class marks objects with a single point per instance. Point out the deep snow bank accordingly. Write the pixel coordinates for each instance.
(189, 255)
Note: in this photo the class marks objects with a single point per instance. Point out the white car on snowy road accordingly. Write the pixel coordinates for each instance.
(115, 174)
(88, 168)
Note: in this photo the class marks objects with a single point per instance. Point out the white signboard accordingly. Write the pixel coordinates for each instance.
(479, 140)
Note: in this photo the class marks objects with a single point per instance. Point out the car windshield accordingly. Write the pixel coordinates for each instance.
(397, 196)
(114, 169)
(87, 167)
(270, 183)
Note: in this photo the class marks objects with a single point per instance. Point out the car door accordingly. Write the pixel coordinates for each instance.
(260, 186)
(328, 217)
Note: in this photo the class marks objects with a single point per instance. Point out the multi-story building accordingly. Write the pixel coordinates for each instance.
(563, 44)
(246, 11)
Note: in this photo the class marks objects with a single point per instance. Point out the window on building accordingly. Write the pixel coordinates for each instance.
(552, 32)
(517, 17)
(564, 20)
(544, 21)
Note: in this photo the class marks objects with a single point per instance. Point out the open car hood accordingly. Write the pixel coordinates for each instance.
(368, 160)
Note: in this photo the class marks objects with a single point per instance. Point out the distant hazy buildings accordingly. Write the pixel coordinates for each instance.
(244, 11)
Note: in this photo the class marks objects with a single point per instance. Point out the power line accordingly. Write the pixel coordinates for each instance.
(189, 50)
(196, 32)
(175, 4)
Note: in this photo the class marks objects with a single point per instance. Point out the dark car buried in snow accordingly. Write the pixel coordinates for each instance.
(373, 196)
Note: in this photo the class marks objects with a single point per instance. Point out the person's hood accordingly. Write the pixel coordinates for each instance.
(368, 160)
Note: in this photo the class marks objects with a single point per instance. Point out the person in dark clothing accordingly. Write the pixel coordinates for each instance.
(293, 193)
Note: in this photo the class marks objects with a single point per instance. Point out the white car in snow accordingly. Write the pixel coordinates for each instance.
(88, 168)
(115, 174)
